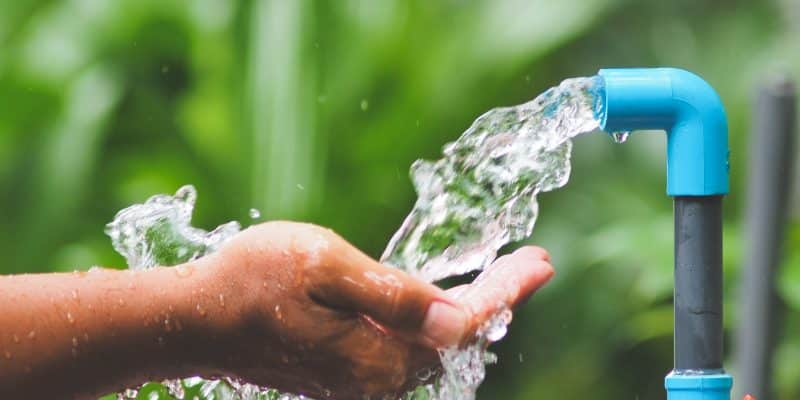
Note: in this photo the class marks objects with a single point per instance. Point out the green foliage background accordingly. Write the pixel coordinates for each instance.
(314, 110)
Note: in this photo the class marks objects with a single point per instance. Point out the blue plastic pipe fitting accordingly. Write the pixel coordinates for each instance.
(687, 108)
(698, 387)
(691, 113)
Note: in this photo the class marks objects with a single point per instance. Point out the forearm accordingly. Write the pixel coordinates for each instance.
(90, 333)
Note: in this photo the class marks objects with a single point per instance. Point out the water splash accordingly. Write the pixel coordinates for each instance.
(479, 197)
(482, 195)
(159, 232)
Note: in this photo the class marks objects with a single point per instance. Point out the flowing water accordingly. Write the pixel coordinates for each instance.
(480, 196)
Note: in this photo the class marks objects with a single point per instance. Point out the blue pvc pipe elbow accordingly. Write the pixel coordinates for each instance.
(687, 108)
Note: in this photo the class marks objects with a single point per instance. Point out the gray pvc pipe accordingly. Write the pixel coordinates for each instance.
(698, 283)
(772, 153)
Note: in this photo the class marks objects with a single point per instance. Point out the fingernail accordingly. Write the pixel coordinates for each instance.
(444, 325)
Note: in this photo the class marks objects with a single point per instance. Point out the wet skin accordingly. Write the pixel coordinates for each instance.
(286, 305)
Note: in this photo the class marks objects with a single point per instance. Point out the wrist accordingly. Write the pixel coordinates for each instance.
(178, 318)
(213, 307)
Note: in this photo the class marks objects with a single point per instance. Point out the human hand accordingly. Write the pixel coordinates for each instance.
(309, 313)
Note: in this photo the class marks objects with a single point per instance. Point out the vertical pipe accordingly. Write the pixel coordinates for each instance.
(769, 186)
(698, 283)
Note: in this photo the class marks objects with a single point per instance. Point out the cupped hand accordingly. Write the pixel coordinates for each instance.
(317, 316)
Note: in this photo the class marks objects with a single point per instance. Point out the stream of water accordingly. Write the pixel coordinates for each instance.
(479, 197)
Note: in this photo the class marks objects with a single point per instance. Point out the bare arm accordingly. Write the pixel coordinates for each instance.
(285, 305)
(90, 333)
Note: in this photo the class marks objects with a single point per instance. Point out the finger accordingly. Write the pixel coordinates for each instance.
(456, 292)
(514, 277)
(381, 364)
(505, 283)
(536, 252)
(352, 281)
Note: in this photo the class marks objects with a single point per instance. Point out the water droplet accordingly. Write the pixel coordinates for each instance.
(175, 388)
(201, 311)
(520, 357)
(620, 137)
(364, 105)
(32, 335)
(178, 326)
(208, 387)
(222, 300)
(70, 318)
(278, 313)
(85, 337)
(74, 352)
(121, 302)
(7, 354)
(16, 338)
(183, 271)
(424, 374)
(301, 187)
(74, 341)
(160, 341)
(74, 294)
(254, 213)
(497, 326)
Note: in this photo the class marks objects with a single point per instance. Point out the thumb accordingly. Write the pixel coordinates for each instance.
(352, 281)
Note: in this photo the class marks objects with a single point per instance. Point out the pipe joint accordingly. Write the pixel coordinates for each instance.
(698, 387)
(687, 108)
